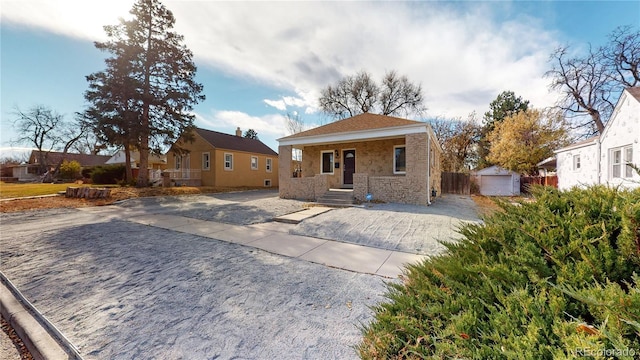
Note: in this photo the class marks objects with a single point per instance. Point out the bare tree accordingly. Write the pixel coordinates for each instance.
(351, 96)
(459, 141)
(622, 56)
(399, 96)
(358, 94)
(47, 131)
(294, 123)
(584, 84)
(590, 84)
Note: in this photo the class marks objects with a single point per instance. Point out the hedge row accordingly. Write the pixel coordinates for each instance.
(552, 278)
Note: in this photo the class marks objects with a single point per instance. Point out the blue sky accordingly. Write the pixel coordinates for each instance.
(259, 60)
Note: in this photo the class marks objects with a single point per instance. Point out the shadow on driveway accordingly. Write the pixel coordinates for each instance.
(121, 290)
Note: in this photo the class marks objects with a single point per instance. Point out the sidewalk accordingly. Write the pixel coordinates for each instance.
(275, 238)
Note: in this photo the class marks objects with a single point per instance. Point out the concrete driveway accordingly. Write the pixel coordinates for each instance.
(408, 228)
(120, 289)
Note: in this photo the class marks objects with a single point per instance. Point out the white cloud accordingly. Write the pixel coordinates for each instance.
(463, 56)
(286, 103)
(271, 125)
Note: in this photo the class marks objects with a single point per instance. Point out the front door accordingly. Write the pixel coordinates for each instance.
(349, 167)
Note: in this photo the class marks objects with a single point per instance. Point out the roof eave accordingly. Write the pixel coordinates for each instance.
(369, 134)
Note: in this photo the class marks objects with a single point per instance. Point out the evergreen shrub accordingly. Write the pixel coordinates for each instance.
(556, 277)
(108, 174)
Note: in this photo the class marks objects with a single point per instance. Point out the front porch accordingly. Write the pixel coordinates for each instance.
(379, 157)
(389, 170)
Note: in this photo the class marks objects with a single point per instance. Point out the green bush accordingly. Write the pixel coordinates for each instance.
(553, 278)
(70, 170)
(108, 174)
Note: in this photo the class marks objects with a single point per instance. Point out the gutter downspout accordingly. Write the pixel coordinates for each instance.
(428, 167)
(599, 161)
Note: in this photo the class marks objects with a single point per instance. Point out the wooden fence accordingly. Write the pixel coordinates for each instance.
(455, 183)
(527, 181)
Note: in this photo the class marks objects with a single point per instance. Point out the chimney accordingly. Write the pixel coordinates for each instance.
(238, 132)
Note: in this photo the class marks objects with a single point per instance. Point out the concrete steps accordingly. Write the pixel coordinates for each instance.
(336, 198)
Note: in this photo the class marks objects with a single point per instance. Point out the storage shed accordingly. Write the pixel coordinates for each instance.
(497, 181)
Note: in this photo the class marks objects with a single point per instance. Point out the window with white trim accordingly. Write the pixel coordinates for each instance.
(326, 162)
(399, 159)
(228, 161)
(254, 163)
(620, 159)
(576, 162)
(206, 161)
(178, 162)
(628, 160)
(269, 164)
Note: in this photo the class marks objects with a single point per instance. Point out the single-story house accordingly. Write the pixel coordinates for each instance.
(603, 159)
(497, 181)
(34, 169)
(218, 159)
(388, 158)
(156, 162)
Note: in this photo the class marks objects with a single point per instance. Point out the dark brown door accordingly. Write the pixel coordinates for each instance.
(349, 161)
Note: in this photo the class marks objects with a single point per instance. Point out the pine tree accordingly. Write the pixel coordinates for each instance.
(156, 72)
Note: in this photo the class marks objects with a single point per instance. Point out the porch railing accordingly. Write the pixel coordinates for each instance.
(185, 174)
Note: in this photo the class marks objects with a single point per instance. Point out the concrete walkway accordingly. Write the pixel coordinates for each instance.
(275, 238)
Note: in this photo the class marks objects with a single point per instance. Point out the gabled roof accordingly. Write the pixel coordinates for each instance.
(495, 170)
(588, 142)
(635, 92)
(54, 158)
(366, 121)
(231, 142)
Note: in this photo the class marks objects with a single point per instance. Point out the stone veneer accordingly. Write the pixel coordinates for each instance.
(374, 171)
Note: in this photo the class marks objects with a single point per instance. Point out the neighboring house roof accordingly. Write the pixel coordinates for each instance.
(588, 142)
(635, 92)
(495, 170)
(232, 142)
(366, 121)
(548, 163)
(54, 158)
(119, 158)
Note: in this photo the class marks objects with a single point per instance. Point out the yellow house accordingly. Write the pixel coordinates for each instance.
(217, 159)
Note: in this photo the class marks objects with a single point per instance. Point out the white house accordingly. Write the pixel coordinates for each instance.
(603, 159)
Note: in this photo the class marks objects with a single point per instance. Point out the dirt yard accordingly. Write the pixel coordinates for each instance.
(117, 194)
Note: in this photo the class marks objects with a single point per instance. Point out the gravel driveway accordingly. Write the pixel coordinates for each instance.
(408, 228)
(122, 290)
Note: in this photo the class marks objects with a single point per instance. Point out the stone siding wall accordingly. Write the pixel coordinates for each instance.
(360, 186)
(374, 171)
(435, 170)
(373, 157)
(302, 188)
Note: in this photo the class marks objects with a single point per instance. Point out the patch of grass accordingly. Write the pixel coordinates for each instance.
(14, 190)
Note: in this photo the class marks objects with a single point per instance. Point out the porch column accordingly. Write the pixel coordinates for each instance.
(417, 166)
(285, 171)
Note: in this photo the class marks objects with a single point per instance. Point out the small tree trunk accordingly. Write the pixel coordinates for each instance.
(128, 176)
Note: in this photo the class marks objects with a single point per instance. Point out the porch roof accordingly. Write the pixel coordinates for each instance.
(357, 128)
